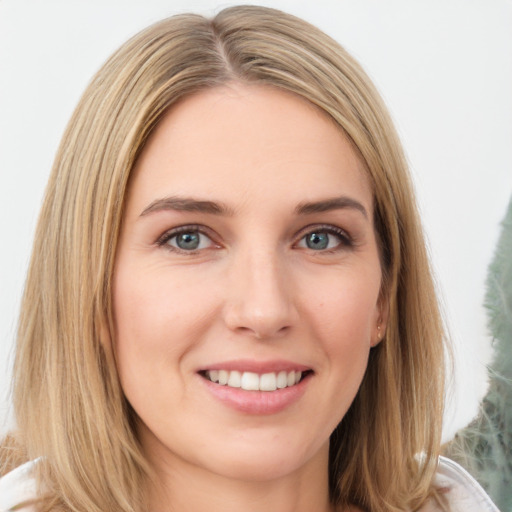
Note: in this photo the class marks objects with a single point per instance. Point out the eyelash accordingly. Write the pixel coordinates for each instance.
(345, 240)
(191, 228)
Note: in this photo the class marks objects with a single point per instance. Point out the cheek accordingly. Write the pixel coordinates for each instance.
(343, 316)
(154, 305)
(153, 330)
(345, 310)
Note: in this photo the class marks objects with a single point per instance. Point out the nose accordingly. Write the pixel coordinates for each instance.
(260, 298)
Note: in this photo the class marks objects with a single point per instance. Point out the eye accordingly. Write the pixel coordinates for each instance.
(325, 239)
(186, 239)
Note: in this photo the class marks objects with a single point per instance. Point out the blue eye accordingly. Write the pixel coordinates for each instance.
(325, 238)
(187, 240)
(317, 241)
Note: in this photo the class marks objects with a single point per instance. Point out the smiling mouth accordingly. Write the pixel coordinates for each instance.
(250, 381)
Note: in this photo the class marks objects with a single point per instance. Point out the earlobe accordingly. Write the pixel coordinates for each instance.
(381, 322)
(379, 334)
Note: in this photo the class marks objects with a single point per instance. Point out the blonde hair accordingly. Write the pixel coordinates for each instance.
(68, 401)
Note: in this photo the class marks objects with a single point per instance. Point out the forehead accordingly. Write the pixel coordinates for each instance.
(253, 141)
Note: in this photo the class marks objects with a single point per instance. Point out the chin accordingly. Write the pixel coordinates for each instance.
(264, 461)
(258, 469)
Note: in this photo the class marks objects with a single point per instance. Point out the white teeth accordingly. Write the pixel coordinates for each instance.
(223, 377)
(251, 381)
(234, 380)
(282, 380)
(268, 382)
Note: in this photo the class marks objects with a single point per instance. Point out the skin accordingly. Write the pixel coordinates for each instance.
(253, 290)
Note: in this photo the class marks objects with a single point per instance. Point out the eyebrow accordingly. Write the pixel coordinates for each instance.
(187, 204)
(334, 203)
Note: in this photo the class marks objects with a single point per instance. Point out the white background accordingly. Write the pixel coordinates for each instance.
(444, 68)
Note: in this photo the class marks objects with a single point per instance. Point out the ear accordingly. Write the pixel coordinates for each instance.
(381, 320)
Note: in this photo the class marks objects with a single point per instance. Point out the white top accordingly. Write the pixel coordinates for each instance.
(17, 487)
(465, 493)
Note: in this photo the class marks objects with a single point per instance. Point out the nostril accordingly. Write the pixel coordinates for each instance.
(267, 331)
(259, 302)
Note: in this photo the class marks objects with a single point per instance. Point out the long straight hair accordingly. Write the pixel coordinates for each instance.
(68, 401)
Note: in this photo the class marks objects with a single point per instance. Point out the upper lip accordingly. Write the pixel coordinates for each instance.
(260, 367)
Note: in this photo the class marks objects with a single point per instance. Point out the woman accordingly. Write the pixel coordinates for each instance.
(229, 303)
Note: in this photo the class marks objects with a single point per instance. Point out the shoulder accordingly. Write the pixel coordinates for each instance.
(460, 489)
(18, 487)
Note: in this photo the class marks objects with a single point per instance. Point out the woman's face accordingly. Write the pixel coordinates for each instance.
(247, 256)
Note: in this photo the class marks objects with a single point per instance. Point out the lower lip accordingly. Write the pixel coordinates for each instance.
(257, 402)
